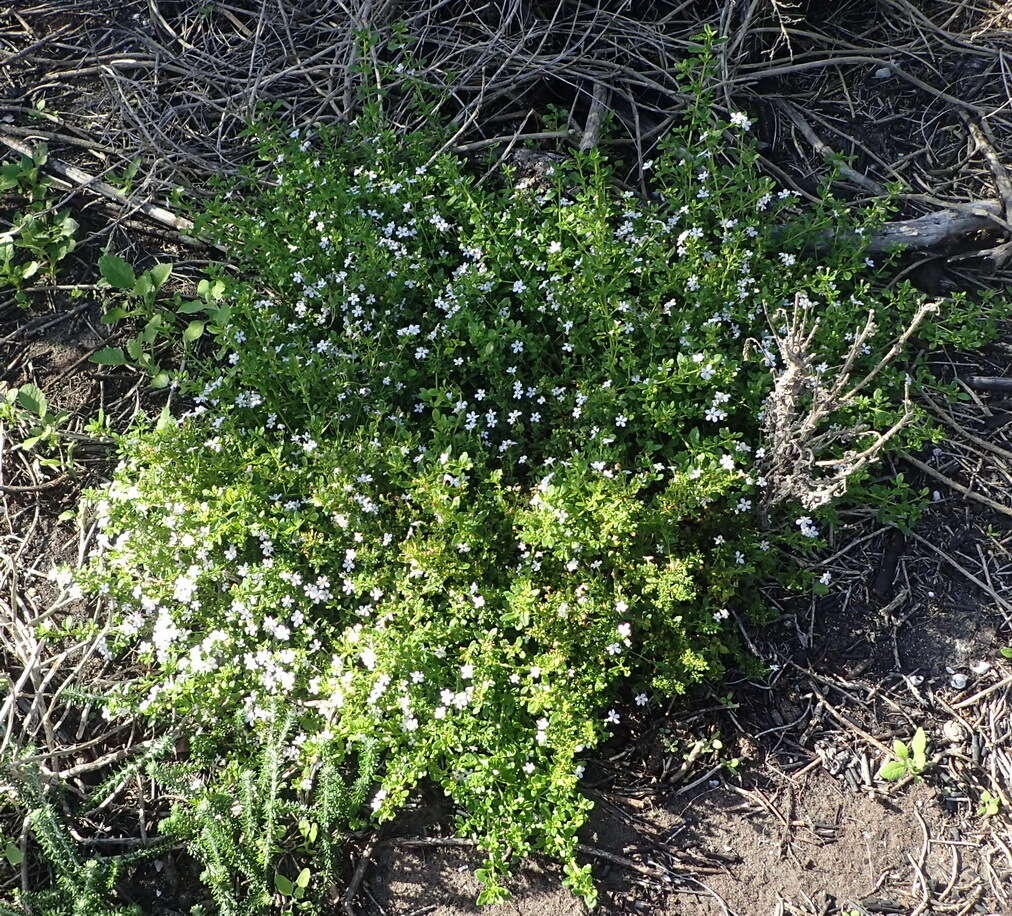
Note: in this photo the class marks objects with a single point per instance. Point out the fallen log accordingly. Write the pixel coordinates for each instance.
(938, 229)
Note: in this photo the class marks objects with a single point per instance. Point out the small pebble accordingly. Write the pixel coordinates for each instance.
(958, 681)
(916, 680)
(883, 73)
(981, 667)
(952, 732)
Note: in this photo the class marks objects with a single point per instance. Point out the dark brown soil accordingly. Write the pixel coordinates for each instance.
(841, 849)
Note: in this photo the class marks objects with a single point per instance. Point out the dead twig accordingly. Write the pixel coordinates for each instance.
(83, 180)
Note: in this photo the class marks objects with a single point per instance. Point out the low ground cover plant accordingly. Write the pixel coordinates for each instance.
(469, 468)
(39, 234)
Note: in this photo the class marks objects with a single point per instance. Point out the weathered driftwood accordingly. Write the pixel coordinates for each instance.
(938, 229)
(989, 383)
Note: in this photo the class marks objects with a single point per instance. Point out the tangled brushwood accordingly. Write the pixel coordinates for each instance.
(470, 466)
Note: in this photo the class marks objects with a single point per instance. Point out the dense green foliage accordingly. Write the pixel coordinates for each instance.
(467, 467)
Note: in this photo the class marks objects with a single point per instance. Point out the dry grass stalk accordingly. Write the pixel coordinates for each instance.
(797, 437)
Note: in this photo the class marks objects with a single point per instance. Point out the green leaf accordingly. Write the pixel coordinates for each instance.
(130, 172)
(31, 398)
(303, 879)
(135, 347)
(159, 274)
(9, 176)
(210, 290)
(1006, 652)
(160, 380)
(220, 315)
(114, 315)
(893, 770)
(69, 225)
(109, 356)
(116, 272)
(283, 885)
(152, 328)
(13, 853)
(164, 419)
(144, 285)
(191, 307)
(901, 750)
(193, 330)
(919, 745)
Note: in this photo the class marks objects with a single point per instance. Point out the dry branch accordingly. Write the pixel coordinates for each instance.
(82, 179)
(939, 229)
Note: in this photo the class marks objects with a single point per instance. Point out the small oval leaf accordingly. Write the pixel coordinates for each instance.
(109, 356)
(193, 330)
(893, 770)
(160, 273)
(116, 272)
(31, 398)
(283, 885)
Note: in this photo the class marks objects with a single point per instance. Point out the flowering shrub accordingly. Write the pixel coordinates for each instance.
(471, 467)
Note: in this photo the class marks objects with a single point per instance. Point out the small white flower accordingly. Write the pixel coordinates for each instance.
(642, 699)
(612, 718)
